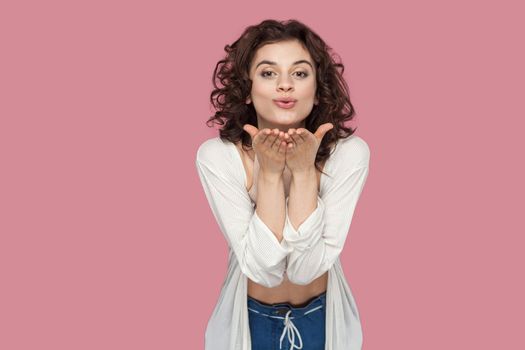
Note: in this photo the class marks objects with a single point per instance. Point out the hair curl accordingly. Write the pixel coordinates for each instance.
(233, 73)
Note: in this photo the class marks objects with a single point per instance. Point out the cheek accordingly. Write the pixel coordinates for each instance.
(309, 89)
(261, 86)
(260, 95)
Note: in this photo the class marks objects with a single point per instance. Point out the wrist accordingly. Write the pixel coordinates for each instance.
(304, 173)
(269, 176)
(304, 178)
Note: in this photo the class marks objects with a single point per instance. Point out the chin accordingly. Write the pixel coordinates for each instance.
(286, 121)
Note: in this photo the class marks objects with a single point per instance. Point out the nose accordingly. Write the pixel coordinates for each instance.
(284, 84)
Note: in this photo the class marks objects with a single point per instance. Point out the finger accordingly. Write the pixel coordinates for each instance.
(263, 135)
(323, 129)
(290, 148)
(326, 127)
(282, 147)
(290, 135)
(301, 135)
(287, 137)
(272, 138)
(278, 139)
(282, 136)
(294, 138)
(298, 139)
(251, 130)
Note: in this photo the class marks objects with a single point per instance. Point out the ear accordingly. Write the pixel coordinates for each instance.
(248, 100)
(316, 100)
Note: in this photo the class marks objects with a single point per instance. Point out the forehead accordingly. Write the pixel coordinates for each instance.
(284, 53)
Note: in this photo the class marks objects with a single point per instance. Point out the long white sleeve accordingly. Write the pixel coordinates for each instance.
(260, 255)
(319, 240)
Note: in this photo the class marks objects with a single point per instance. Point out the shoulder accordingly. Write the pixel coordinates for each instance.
(218, 156)
(213, 151)
(352, 151)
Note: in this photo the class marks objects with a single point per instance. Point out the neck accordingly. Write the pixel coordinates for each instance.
(262, 124)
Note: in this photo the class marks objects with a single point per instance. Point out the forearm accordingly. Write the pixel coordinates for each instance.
(303, 196)
(271, 202)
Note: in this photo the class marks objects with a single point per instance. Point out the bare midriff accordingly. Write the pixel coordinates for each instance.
(287, 291)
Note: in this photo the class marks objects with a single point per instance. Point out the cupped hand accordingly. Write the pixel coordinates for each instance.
(302, 147)
(270, 148)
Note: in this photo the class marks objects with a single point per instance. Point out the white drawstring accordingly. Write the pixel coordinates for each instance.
(289, 328)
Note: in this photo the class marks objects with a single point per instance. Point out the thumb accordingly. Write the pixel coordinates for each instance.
(322, 130)
(250, 129)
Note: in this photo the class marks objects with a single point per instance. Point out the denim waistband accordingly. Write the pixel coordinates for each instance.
(288, 315)
(279, 310)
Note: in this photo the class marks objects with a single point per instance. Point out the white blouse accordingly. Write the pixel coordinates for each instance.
(303, 254)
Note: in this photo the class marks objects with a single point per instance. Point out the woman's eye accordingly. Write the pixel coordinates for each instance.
(263, 74)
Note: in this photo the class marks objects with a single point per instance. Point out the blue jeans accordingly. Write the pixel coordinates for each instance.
(282, 326)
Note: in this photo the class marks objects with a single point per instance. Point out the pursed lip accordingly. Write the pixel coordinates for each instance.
(284, 105)
(285, 99)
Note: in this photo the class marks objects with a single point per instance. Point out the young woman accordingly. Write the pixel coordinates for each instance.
(283, 180)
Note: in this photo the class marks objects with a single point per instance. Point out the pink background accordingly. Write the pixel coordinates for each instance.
(107, 240)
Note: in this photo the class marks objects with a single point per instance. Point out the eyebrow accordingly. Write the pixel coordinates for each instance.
(275, 63)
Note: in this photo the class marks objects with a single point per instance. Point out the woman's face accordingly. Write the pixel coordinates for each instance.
(282, 70)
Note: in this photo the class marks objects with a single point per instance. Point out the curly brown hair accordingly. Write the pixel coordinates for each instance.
(233, 73)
